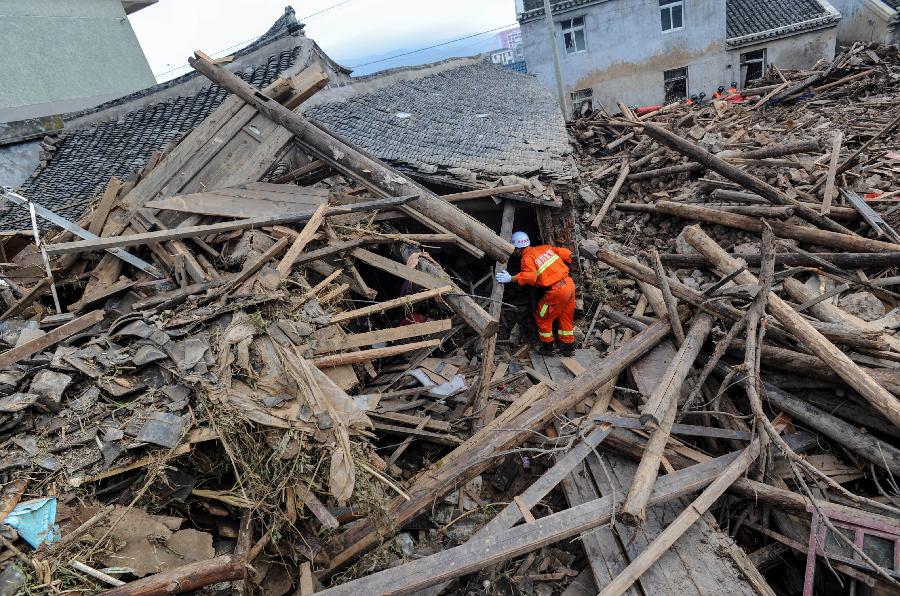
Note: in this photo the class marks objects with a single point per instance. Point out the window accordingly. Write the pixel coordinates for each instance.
(753, 66)
(675, 83)
(573, 35)
(582, 102)
(671, 14)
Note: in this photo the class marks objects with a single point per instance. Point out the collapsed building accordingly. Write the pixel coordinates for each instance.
(259, 345)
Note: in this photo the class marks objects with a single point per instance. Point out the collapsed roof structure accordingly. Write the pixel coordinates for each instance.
(275, 357)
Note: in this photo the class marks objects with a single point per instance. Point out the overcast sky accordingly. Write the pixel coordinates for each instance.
(355, 31)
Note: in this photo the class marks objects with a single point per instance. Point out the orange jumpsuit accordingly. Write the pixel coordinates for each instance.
(545, 266)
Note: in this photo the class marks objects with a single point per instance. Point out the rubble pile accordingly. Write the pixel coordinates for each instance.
(312, 382)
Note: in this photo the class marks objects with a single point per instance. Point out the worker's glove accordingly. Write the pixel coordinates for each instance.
(504, 277)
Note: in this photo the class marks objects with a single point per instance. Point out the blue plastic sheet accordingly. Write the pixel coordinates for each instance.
(35, 521)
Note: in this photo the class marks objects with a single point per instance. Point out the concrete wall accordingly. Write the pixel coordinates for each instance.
(794, 52)
(866, 20)
(65, 55)
(627, 51)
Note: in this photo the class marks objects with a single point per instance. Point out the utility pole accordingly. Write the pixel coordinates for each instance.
(551, 28)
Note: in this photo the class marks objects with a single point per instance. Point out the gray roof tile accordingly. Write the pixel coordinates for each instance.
(472, 117)
(751, 17)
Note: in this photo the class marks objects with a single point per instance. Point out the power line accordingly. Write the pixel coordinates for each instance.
(252, 39)
(437, 45)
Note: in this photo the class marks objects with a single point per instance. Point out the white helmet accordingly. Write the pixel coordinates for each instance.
(520, 240)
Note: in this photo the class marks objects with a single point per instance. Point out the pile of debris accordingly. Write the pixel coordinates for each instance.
(289, 386)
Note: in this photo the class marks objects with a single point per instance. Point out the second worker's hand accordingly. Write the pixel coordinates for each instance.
(503, 277)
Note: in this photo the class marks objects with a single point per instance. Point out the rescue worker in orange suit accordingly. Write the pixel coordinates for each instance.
(546, 267)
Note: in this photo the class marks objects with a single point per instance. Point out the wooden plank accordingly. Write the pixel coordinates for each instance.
(226, 226)
(14, 355)
(462, 304)
(306, 84)
(389, 304)
(27, 299)
(682, 523)
(373, 354)
(98, 217)
(832, 172)
(735, 174)
(302, 239)
(368, 338)
(425, 435)
(241, 202)
(483, 192)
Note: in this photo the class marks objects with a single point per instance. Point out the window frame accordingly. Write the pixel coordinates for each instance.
(579, 97)
(572, 28)
(667, 6)
(667, 80)
(745, 62)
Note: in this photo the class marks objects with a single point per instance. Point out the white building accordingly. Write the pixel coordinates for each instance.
(647, 52)
(869, 20)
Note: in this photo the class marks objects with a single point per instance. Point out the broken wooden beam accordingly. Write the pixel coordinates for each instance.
(404, 301)
(679, 526)
(802, 330)
(659, 413)
(63, 332)
(225, 226)
(842, 260)
(368, 338)
(484, 192)
(373, 354)
(303, 238)
(185, 578)
(861, 443)
(348, 160)
(500, 546)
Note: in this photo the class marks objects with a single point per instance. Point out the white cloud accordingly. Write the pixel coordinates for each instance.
(171, 30)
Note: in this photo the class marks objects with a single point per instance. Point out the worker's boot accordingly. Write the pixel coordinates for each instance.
(567, 349)
(547, 349)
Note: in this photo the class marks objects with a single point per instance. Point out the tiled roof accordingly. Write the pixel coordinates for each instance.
(478, 116)
(86, 158)
(535, 8)
(752, 19)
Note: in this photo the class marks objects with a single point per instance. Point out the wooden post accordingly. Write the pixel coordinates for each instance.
(832, 172)
(494, 308)
(660, 411)
(662, 281)
(351, 162)
(839, 362)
